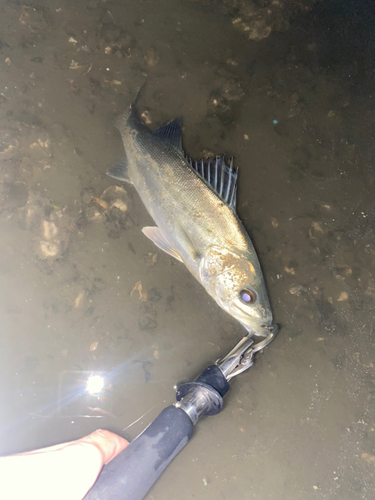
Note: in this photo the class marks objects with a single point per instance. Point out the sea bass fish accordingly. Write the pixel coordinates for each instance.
(193, 204)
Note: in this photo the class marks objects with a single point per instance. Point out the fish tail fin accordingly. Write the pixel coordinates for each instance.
(132, 110)
(138, 96)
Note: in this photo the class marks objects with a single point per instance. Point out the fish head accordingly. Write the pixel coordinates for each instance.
(236, 282)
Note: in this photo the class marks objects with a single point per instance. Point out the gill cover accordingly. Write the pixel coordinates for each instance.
(223, 273)
(228, 276)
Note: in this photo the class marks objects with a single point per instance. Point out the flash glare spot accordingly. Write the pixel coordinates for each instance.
(95, 384)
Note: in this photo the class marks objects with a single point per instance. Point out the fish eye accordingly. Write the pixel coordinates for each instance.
(248, 296)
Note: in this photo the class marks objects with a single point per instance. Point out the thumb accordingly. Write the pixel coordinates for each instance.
(108, 444)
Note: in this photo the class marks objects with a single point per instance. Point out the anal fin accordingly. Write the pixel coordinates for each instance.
(120, 171)
(157, 237)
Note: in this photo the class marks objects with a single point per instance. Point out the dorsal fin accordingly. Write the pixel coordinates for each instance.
(221, 178)
(171, 133)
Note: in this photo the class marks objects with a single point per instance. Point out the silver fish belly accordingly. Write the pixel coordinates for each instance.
(193, 206)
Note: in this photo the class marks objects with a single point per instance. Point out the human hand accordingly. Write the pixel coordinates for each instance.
(62, 472)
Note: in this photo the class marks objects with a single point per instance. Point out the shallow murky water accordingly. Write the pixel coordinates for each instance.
(82, 290)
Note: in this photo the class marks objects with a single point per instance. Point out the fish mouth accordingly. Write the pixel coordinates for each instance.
(259, 325)
(260, 330)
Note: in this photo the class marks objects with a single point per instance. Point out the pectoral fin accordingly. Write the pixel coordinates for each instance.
(120, 171)
(157, 237)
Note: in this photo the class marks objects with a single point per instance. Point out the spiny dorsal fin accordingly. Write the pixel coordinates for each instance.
(221, 178)
(171, 133)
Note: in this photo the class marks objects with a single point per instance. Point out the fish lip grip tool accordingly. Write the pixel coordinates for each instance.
(204, 395)
(132, 473)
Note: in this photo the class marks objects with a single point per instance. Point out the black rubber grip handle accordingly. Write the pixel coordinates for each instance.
(131, 474)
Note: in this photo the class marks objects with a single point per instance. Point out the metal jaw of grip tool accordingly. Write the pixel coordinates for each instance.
(241, 357)
(204, 396)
